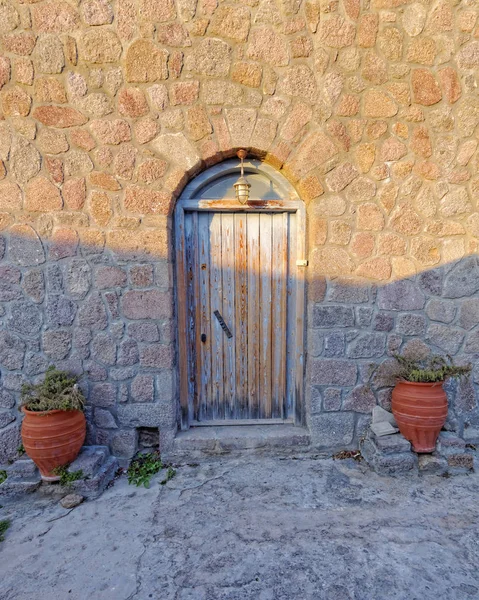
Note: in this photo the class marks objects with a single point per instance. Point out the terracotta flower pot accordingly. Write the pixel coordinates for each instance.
(420, 410)
(53, 439)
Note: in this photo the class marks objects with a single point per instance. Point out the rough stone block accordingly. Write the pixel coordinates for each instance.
(390, 444)
(332, 316)
(367, 345)
(89, 460)
(401, 295)
(431, 464)
(333, 372)
(332, 430)
(9, 442)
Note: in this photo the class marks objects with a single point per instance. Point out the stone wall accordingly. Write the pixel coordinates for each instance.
(370, 109)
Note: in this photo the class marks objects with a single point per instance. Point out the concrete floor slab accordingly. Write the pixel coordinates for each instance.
(251, 528)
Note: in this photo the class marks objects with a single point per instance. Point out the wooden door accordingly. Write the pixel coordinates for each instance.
(238, 312)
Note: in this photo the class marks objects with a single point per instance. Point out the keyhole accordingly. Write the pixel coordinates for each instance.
(203, 337)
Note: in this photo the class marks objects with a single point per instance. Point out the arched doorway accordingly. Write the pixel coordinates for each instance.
(240, 298)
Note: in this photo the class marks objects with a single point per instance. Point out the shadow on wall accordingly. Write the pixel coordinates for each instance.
(108, 314)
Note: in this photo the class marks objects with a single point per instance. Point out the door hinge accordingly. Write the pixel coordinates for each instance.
(302, 263)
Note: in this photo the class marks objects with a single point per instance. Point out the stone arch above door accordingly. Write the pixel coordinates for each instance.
(240, 298)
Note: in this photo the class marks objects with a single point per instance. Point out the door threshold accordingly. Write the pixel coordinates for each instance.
(198, 442)
(235, 422)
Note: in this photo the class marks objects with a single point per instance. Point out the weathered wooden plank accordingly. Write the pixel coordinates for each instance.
(291, 348)
(216, 302)
(191, 274)
(254, 311)
(300, 242)
(229, 345)
(232, 206)
(241, 315)
(265, 221)
(204, 321)
(278, 313)
(182, 316)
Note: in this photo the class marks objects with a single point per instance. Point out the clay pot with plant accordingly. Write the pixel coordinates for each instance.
(419, 402)
(54, 426)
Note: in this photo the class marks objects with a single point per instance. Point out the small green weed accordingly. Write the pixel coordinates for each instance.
(21, 450)
(67, 478)
(3, 476)
(170, 473)
(4, 525)
(143, 467)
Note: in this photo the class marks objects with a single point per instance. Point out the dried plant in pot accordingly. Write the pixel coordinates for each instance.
(54, 426)
(419, 402)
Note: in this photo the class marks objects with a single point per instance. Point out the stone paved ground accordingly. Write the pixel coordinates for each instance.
(258, 528)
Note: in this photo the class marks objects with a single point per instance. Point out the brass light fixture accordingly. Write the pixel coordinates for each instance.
(242, 186)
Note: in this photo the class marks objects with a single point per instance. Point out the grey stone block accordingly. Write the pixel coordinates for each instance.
(124, 443)
(332, 316)
(57, 343)
(90, 459)
(332, 430)
(364, 315)
(18, 487)
(383, 322)
(361, 399)
(334, 372)
(103, 394)
(128, 353)
(9, 442)
(94, 486)
(144, 332)
(78, 279)
(104, 419)
(104, 349)
(411, 324)
(392, 444)
(395, 464)
(431, 282)
(142, 388)
(448, 443)
(432, 464)
(469, 313)
(92, 312)
(332, 399)
(7, 399)
(463, 280)
(12, 351)
(22, 468)
(401, 295)
(26, 250)
(6, 417)
(334, 344)
(347, 292)
(141, 415)
(441, 310)
(25, 318)
(367, 345)
(445, 337)
(33, 284)
(60, 311)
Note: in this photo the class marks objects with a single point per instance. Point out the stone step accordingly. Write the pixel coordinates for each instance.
(23, 467)
(94, 486)
(239, 439)
(90, 460)
(14, 486)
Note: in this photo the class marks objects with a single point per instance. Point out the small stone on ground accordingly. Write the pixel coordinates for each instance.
(71, 500)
